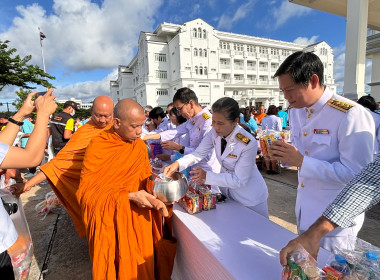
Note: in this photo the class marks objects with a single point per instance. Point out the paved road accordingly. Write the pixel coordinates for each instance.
(69, 258)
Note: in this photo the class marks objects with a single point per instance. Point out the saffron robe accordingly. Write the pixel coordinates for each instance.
(121, 236)
(63, 171)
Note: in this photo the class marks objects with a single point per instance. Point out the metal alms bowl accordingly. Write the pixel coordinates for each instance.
(171, 191)
(149, 149)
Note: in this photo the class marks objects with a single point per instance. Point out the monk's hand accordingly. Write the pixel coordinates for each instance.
(171, 145)
(198, 175)
(159, 206)
(163, 157)
(286, 153)
(170, 169)
(14, 174)
(141, 199)
(19, 188)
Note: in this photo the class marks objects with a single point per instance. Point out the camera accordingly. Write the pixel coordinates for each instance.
(41, 93)
(11, 208)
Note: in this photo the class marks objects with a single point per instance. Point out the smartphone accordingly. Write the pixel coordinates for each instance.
(41, 93)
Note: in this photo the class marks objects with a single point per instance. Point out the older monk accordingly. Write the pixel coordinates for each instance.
(63, 171)
(122, 219)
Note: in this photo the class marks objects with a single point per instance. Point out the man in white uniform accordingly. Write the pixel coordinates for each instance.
(333, 140)
(197, 125)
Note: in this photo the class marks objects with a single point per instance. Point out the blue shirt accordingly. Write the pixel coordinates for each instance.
(252, 125)
(284, 116)
(27, 127)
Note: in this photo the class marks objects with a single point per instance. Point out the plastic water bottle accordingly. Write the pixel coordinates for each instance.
(370, 261)
(340, 264)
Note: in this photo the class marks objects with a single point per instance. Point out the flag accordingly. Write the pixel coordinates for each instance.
(42, 36)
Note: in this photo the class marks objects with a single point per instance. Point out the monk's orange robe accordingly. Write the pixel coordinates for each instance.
(260, 117)
(63, 171)
(121, 236)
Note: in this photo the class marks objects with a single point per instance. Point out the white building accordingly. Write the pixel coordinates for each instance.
(79, 101)
(210, 62)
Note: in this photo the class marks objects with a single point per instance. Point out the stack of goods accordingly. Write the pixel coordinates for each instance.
(156, 149)
(199, 198)
(267, 137)
(361, 262)
(302, 266)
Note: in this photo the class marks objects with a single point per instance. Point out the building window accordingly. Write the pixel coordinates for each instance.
(205, 70)
(160, 57)
(195, 52)
(286, 52)
(203, 86)
(162, 92)
(187, 68)
(263, 50)
(213, 69)
(195, 33)
(213, 52)
(205, 52)
(199, 33)
(187, 49)
(200, 70)
(204, 33)
(216, 86)
(274, 51)
(161, 74)
(196, 70)
(224, 45)
(251, 48)
(200, 52)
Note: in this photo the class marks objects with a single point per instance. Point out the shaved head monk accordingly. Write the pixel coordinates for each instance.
(63, 171)
(121, 218)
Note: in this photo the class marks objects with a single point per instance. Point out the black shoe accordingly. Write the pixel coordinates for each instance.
(220, 198)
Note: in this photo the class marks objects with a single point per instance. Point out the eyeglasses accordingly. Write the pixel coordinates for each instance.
(180, 108)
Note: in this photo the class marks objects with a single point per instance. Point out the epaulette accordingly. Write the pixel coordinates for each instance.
(242, 138)
(340, 105)
(205, 116)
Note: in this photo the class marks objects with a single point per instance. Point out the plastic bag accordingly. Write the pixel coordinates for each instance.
(302, 266)
(50, 204)
(21, 252)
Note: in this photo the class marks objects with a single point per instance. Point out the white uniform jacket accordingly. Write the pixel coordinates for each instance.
(239, 177)
(336, 145)
(197, 127)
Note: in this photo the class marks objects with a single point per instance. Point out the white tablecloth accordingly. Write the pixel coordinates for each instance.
(231, 242)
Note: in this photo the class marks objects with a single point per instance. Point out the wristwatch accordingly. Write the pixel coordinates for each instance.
(15, 122)
(182, 150)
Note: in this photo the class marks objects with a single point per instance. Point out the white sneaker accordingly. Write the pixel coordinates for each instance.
(44, 182)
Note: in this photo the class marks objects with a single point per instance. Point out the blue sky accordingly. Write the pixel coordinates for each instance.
(86, 40)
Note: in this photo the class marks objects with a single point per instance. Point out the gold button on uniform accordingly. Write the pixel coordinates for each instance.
(306, 152)
(302, 185)
(311, 111)
(304, 134)
(309, 116)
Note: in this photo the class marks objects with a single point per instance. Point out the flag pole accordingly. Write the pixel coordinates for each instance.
(42, 51)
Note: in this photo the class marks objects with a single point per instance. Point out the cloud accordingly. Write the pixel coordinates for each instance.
(339, 64)
(286, 11)
(226, 22)
(88, 90)
(305, 40)
(81, 35)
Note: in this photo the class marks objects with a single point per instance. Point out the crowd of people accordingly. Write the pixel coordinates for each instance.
(100, 169)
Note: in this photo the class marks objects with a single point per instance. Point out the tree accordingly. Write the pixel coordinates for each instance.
(14, 70)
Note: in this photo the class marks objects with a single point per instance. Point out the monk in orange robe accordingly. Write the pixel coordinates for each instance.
(260, 114)
(121, 218)
(63, 171)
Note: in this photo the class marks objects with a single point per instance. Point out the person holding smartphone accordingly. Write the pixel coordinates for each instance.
(31, 156)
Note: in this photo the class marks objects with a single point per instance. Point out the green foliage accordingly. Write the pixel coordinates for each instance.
(14, 70)
(22, 95)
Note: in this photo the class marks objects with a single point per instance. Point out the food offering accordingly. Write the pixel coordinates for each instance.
(157, 165)
(302, 266)
(359, 262)
(267, 137)
(199, 198)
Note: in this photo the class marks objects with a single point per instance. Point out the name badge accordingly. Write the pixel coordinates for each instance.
(232, 156)
(321, 131)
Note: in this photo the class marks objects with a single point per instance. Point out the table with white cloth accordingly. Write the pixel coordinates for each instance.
(230, 242)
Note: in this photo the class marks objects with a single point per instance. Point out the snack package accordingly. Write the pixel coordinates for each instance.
(302, 266)
(209, 200)
(192, 203)
(360, 261)
(267, 137)
(50, 204)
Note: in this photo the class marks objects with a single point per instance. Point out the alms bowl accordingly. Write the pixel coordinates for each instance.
(173, 190)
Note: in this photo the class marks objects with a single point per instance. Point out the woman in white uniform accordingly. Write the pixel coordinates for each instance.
(236, 151)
